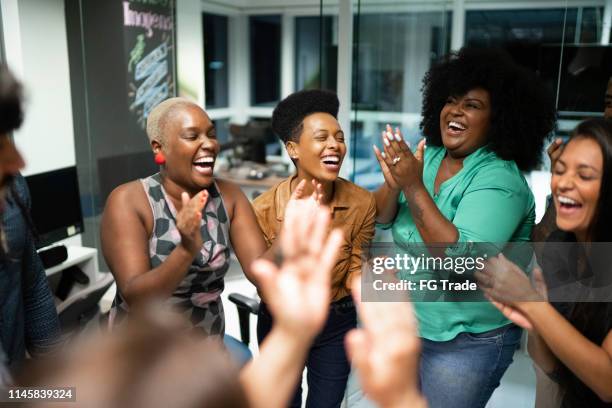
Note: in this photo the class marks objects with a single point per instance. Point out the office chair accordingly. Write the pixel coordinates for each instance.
(246, 306)
(76, 311)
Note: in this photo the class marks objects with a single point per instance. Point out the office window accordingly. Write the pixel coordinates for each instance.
(394, 51)
(215, 60)
(222, 129)
(265, 41)
(316, 52)
(567, 57)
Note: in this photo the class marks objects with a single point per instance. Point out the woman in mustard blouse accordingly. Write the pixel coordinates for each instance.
(485, 120)
(307, 124)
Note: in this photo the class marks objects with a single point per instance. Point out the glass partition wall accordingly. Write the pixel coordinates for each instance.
(119, 70)
(395, 43)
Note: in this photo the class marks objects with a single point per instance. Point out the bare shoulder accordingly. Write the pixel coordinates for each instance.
(231, 194)
(131, 198)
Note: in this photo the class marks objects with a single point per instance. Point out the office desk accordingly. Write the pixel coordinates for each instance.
(251, 188)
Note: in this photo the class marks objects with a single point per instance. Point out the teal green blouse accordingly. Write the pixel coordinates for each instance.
(488, 200)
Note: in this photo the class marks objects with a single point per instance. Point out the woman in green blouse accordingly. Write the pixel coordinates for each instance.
(485, 120)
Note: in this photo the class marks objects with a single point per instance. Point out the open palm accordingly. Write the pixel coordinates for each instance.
(298, 292)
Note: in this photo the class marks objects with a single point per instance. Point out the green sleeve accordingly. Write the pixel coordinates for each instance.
(493, 207)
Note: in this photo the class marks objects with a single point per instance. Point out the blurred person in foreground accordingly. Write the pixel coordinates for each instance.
(28, 319)
(153, 363)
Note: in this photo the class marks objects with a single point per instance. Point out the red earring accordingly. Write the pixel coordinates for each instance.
(160, 158)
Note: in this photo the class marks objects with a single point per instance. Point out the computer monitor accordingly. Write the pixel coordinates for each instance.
(56, 205)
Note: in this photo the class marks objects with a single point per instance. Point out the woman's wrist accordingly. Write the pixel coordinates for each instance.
(292, 341)
(186, 251)
(529, 308)
(412, 188)
(394, 190)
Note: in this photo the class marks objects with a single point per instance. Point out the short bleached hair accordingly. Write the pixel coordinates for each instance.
(156, 121)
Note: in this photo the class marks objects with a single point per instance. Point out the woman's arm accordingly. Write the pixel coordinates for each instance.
(512, 293)
(590, 362)
(386, 196)
(404, 170)
(540, 353)
(125, 243)
(247, 239)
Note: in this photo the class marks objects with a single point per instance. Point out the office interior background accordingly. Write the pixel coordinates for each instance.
(88, 96)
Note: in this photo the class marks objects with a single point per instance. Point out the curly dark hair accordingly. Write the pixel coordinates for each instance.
(290, 112)
(522, 109)
(11, 97)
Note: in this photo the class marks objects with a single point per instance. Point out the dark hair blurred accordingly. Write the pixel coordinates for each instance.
(11, 99)
(290, 112)
(152, 360)
(522, 109)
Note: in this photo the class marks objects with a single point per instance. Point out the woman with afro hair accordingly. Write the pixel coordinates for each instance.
(306, 122)
(485, 120)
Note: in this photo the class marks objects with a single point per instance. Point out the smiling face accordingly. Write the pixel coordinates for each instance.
(575, 185)
(190, 147)
(320, 149)
(464, 122)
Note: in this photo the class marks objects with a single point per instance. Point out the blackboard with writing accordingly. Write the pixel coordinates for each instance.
(149, 54)
(122, 63)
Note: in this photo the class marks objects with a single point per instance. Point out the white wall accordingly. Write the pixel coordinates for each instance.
(37, 50)
(190, 50)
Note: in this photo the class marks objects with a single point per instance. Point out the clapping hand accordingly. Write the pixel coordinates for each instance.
(401, 168)
(188, 220)
(507, 287)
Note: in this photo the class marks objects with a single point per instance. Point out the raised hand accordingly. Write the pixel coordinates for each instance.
(299, 202)
(188, 220)
(398, 161)
(554, 152)
(298, 293)
(385, 351)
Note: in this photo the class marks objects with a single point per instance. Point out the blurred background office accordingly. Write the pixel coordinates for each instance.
(94, 69)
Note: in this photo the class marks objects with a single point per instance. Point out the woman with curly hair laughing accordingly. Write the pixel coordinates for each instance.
(485, 120)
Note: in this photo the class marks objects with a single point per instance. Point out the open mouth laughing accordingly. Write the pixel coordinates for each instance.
(204, 165)
(331, 162)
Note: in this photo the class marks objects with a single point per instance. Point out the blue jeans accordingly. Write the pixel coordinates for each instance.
(327, 363)
(464, 372)
(239, 351)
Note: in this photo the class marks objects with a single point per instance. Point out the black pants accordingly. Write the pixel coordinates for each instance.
(327, 363)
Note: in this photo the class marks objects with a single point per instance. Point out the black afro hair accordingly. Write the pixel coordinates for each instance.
(522, 108)
(11, 112)
(290, 112)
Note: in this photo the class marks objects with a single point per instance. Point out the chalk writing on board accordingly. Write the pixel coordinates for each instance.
(149, 47)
